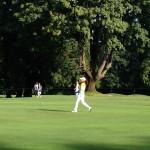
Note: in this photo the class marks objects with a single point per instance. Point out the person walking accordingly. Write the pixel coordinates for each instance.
(39, 90)
(36, 89)
(81, 96)
(77, 88)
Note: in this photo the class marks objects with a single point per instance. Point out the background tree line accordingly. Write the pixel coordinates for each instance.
(54, 42)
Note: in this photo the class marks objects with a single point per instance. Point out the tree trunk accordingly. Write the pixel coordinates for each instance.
(19, 93)
(8, 94)
(27, 93)
(91, 85)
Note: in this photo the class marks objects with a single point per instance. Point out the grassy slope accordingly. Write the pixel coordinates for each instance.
(117, 122)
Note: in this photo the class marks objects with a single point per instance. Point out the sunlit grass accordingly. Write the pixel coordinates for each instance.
(117, 122)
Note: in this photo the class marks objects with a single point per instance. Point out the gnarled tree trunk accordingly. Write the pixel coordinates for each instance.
(91, 85)
(95, 70)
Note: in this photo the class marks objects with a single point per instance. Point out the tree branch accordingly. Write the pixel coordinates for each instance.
(83, 64)
(105, 70)
(100, 70)
(106, 65)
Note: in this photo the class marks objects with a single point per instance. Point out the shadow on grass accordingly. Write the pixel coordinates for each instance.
(144, 145)
(108, 147)
(7, 147)
(54, 110)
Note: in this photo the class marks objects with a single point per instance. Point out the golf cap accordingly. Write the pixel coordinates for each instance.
(83, 78)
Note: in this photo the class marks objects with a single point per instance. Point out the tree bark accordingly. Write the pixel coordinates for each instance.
(91, 85)
(19, 93)
(27, 93)
(96, 69)
(8, 94)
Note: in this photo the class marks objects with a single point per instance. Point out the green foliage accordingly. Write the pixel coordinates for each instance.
(67, 71)
(114, 43)
(112, 80)
(30, 12)
(44, 40)
(146, 72)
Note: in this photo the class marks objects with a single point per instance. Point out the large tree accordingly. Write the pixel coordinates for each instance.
(55, 51)
(101, 28)
(21, 49)
(130, 69)
(104, 30)
(144, 20)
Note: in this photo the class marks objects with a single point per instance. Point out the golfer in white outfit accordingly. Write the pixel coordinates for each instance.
(81, 96)
(77, 89)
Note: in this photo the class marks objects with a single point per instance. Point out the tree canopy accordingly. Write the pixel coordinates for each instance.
(56, 41)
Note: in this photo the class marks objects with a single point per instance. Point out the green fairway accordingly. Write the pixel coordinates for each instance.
(117, 122)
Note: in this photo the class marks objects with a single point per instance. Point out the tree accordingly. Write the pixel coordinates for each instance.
(131, 67)
(54, 51)
(8, 35)
(19, 51)
(145, 23)
(99, 27)
(103, 30)
(137, 44)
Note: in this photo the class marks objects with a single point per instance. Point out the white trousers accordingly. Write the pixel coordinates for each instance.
(80, 97)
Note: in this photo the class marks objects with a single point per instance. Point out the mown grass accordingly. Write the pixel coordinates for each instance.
(117, 122)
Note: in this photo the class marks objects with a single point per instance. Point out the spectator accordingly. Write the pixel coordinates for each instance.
(36, 89)
(39, 90)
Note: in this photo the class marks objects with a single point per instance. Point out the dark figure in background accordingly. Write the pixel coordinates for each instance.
(39, 90)
(36, 89)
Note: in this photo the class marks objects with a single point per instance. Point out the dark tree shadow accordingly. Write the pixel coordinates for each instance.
(80, 146)
(54, 110)
(144, 144)
(7, 147)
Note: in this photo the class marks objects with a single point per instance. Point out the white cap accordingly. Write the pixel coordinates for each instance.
(83, 78)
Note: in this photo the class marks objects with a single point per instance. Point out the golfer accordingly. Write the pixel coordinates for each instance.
(39, 90)
(77, 88)
(81, 96)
